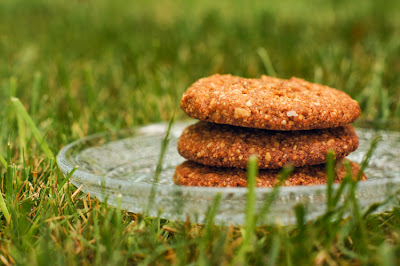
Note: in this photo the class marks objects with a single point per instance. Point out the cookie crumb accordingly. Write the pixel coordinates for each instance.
(241, 113)
(291, 113)
(268, 157)
(331, 142)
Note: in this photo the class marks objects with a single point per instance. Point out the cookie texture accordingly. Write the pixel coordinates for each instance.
(193, 174)
(268, 103)
(230, 146)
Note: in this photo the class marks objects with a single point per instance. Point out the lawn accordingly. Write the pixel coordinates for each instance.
(69, 69)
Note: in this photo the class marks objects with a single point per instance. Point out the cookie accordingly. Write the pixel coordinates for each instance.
(193, 174)
(230, 146)
(268, 103)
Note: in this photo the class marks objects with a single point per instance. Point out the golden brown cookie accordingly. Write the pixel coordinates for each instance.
(193, 174)
(268, 103)
(230, 146)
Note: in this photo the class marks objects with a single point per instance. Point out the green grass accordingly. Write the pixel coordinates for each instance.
(72, 68)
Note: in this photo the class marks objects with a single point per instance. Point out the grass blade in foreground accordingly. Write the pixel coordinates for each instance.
(283, 175)
(164, 146)
(368, 155)
(4, 209)
(67, 178)
(252, 173)
(330, 171)
(208, 236)
(250, 224)
(10, 174)
(3, 161)
(20, 111)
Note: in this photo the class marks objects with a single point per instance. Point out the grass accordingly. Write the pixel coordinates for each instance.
(70, 69)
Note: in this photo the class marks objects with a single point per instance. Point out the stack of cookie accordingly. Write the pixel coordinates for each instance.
(281, 121)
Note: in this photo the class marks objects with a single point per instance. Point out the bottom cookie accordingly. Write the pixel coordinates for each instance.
(193, 174)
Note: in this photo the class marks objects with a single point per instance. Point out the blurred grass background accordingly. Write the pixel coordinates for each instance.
(107, 65)
(81, 67)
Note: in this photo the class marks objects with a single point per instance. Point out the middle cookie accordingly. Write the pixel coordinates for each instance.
(230, 146)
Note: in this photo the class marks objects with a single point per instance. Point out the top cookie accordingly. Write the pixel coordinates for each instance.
(268, 103)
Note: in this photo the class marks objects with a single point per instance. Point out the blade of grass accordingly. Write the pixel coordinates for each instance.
(386, 254)
(340, 210)
(3, 161)
(300, 212)
(330, 171)
(89, 84)
(318, 74)
(21, 136)
(4, 209)
(250, 222)
(349, 176)
(274, 251)
(343, 185)
(164, 146)
(10, 176)
(287, 246)
(283, 175)
(375, 206)
(370, 98)
(13, 86)
(357, 217)
(67, 178)
(21, 111)
(209, 223)
(359, 221)
(385, 104)
(374, 143)
(350, 201)
(252, 173)
(35, 93)
(266, 60)
(12, 89)
(96, 233)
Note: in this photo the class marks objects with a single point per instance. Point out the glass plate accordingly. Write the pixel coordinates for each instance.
(119, 167)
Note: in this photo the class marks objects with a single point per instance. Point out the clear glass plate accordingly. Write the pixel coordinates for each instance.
(119, 167)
